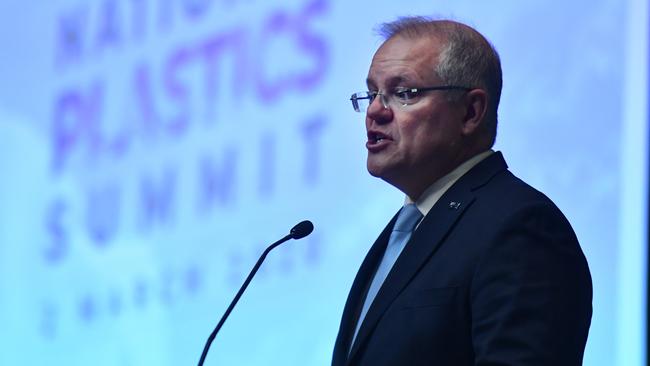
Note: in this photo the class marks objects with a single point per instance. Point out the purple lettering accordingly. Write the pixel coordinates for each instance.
(140, 293)
(102, 213)
(150, 120)
(192, 279)
(67, 126)
(58, 246)
(196, 8)
(157, 198)
(75, 121)
(214, 51)
(312, 130)
(313, 45)
(267, 165)
(70, 42)
(165, 14)
(166, 294)
(217, 181)
(268, 90)
(177, 90)
(297, 28)
(139, 18)
(109, 26)
(87, 309)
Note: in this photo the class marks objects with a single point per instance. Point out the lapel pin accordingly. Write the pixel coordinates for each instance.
(454, 205)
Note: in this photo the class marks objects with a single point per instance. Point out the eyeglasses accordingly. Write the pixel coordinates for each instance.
(398, 97)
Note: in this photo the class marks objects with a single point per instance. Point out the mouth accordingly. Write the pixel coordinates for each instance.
(376, 136)
(377, 141)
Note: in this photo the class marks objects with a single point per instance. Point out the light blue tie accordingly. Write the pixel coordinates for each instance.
(406, 221)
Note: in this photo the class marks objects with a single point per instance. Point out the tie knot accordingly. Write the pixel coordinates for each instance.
(408, 217)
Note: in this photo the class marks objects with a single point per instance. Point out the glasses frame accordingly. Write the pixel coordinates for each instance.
(385, 98)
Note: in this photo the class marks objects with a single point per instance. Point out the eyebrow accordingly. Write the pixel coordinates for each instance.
(392, 81)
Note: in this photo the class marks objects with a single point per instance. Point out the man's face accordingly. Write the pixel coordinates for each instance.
(411, 146)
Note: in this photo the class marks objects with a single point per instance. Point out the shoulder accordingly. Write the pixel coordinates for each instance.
(509, 216)
(508, 198)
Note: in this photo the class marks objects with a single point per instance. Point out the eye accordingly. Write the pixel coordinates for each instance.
(405, 95)
(372, 95)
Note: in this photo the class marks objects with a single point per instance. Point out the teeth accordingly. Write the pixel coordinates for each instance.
(377, 138)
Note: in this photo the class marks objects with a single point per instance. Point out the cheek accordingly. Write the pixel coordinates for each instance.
(432, 138)
(427, 131)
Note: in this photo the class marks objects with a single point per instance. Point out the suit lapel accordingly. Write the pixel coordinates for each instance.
(422, 245)
(357, 295)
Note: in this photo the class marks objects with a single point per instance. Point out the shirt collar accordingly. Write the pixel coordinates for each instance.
(432, 194)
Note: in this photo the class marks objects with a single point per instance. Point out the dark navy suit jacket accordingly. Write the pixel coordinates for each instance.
(493, 275)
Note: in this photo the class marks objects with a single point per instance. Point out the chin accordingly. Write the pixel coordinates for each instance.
(384, 172)
(375, 173)
(376, 170)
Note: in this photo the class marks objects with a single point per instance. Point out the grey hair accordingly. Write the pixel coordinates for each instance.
(466, 58)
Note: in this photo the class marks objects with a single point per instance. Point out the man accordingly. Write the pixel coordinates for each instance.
(477, 268)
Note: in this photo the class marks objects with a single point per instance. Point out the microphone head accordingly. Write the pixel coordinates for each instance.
(301, 229)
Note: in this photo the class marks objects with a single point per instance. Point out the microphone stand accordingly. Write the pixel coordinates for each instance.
(299, 231)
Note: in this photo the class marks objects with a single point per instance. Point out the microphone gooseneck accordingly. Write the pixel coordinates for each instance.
(299, 231)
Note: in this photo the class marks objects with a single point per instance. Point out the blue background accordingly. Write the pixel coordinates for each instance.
(151, 149)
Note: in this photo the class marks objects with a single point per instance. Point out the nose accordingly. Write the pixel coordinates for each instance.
(379, 110)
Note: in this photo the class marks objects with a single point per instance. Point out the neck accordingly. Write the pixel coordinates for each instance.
(414, 188)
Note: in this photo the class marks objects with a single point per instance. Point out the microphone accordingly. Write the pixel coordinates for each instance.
(299, 231)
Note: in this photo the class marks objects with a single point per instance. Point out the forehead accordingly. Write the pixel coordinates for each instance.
(402, 59)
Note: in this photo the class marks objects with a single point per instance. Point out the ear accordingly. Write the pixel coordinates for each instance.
(475, 103)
